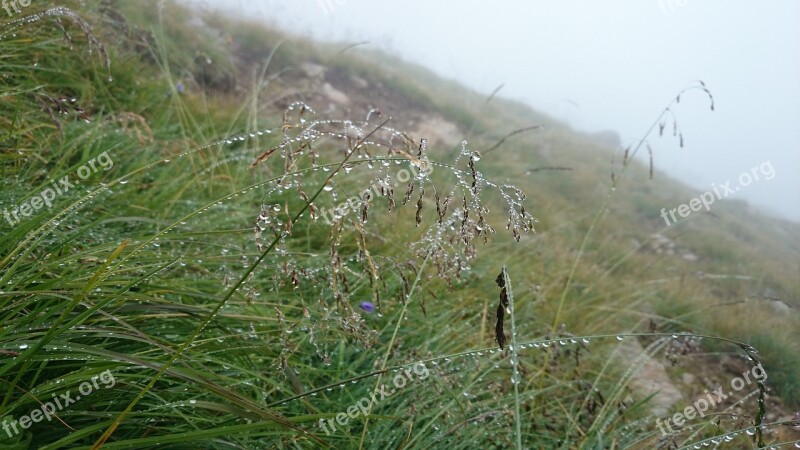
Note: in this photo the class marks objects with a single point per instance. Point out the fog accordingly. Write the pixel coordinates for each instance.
(611, 65)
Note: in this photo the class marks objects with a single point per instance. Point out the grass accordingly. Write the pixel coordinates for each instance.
(196, 270)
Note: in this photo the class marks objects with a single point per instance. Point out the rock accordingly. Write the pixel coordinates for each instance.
(438, 131)
(335, 95)
(359, 82)
(690, 257)
(650, 379)
(780, 307)
(313, 70)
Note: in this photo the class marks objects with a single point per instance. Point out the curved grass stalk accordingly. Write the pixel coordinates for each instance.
(604, 206)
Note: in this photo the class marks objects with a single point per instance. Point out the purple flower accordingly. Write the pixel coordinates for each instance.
(179, 87)
(367, 306)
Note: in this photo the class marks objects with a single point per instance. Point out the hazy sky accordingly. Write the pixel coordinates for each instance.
(606, 65)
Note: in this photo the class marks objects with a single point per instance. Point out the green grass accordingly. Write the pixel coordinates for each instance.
(149, 270)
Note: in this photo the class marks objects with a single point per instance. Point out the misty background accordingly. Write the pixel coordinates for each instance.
(605, 66)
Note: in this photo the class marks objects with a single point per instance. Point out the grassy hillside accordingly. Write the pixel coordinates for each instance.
(174, 272)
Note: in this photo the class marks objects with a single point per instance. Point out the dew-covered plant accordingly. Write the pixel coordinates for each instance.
(317, 163)
(242, 290)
